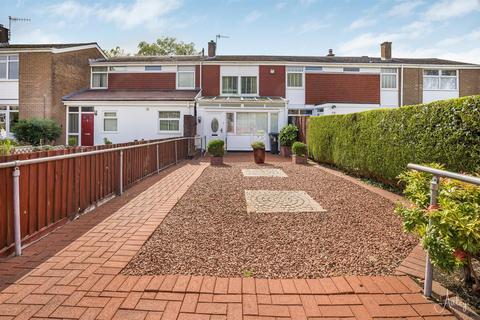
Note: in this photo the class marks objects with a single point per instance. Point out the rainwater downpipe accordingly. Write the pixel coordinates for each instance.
(401, 85)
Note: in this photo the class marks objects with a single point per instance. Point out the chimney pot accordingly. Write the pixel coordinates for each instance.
(212, 49)
(386, 50)
(330, 53)
(3, 35)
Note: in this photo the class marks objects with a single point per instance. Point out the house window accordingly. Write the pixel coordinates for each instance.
(249, 123)
(169, 120)
(9, 67)
(273, 122)
(351, 69)
(249, 85)
(73, 126)
(294, 77)
(99, 77)
(229, 85)
(186, 77)
(153, 68)
(439, 79)
(389, 78)
(110, 121)
(230, 122)
(8, 117)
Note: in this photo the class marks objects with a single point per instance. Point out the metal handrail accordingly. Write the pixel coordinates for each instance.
(17, 163)
(434, 184)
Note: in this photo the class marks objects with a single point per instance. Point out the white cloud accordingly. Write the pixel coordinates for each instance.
(70, 9)
(252, 16)
(474, 35)
(36, 36)
(362, 23)
(404, 8)
(447, 9)
(311, 26)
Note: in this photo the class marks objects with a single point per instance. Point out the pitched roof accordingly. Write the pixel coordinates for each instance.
(46, 45)
(132, 95)
(272, 58)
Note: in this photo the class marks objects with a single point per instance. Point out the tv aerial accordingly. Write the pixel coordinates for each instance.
(15, 19)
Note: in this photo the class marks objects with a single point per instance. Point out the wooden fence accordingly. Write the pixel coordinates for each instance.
(62, 185)
(301, 123)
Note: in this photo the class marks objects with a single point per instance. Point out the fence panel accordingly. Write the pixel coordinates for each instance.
(52, 191)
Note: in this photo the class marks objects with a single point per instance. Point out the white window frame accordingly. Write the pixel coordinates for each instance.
(109, 118)
(78, 134)
(7, 112)
(299, 70)
(179, 123)
(383, 72)
(439, 77)
(98, 72)
(239, 86)
(187, 71)
(7, 67)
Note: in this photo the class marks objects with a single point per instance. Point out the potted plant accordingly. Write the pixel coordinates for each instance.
(299, 151)
(258, 152)
(288, 135)
(216, 151)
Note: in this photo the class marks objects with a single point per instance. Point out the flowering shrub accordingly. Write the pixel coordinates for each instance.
(453, 237)
(5, 143)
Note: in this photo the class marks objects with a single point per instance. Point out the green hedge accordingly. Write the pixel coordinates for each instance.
(380, 143)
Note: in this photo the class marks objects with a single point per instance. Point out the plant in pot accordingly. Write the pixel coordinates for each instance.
(216, 151)
(287, 136)
(299, 151)
(258, 152)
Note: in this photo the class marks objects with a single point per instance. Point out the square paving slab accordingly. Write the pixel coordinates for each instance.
(264, 173)
(266, 201)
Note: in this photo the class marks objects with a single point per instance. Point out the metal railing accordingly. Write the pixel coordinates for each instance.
(16, 165)
(434, 184)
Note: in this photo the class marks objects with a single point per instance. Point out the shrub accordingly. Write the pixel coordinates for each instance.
(37, 131)
(288, 135)
(258, 145)
(379, 144)
(106, 141)
(299, 149)
(215, 147)
(73, 141)
(453, 237)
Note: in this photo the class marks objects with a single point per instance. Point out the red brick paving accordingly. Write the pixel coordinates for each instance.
(83, 281)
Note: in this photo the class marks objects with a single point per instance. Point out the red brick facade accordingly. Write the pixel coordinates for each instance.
(158, 81)
(211, 80)
(342, 88)
(272, 81)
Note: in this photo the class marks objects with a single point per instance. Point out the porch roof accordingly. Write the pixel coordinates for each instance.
(244, 100)
(132, 95)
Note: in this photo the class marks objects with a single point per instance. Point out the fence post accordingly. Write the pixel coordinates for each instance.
(120, 178)
(176, 155)
(16, 210)
(427, 286)
(158, 161)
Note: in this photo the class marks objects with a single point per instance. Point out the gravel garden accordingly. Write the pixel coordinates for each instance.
(232, 225)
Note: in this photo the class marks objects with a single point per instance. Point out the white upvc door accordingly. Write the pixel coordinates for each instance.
(215, 126)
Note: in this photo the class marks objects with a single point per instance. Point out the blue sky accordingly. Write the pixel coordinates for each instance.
(417, 28)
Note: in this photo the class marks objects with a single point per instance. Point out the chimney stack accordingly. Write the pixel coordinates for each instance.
(3, 35)
(386, 50)
(330, 53)
(212, 48)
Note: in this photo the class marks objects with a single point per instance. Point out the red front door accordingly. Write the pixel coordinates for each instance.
(87, 129)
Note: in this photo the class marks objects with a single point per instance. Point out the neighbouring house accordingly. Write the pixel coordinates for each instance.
(242, 98)
(35, 77)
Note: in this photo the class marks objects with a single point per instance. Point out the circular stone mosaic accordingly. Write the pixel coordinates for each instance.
(265, 201)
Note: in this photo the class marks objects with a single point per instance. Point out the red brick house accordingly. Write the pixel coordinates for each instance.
(242, 98)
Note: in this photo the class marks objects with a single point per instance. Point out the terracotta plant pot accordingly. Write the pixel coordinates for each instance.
(259, 156)
(216, 161)
(285, 151)
(299, 159)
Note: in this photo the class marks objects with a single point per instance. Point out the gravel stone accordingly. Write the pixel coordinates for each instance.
(209, 231)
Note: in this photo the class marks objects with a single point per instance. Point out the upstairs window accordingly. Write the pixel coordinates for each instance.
(9, 67)
(186, 77)
(99, 77)
(249, 85)
(295, 77)
(169, 121)
(389, 78)
(439, 79)
(229, 85)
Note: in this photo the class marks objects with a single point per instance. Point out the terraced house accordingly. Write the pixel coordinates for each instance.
(35, 77)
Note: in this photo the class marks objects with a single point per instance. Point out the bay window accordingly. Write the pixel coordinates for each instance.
(169, 121)
(186, 77)
(439, 79)
(99, 77)
(389, 78)
(294, 77)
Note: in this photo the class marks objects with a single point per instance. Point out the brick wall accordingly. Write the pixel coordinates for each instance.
(272, 85)
(211, 80)
(469, 82)
(412, 86)
(158, 81)
(342, 88)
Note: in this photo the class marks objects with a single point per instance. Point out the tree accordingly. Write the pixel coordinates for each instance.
(166, 46)
(116, 52)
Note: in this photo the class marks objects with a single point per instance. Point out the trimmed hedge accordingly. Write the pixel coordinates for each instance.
(380, 143)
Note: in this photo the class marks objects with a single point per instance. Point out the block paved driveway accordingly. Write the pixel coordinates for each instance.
(83, 280)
